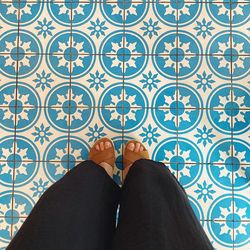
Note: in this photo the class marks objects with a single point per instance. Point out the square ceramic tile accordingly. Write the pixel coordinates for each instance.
(240, 178)
(8, 64)
(43, 85)
(8, 119)
(218, 242)
(99, 23)
(13, 208)
(149, 83)
(155, 137)
(39, 184)
(9, 15)
(229, 212)
(202, 187)
(37, 133)
(5, 235)
(151, 22)
(240, 15)
(241, 220)
(7, 160)
(208, 142)
(172, 74)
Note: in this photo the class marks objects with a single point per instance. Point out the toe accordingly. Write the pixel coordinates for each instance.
(107, 145)
(137, 147)
(102, 146)
(131, 146)
(141, 149)
(97, 147)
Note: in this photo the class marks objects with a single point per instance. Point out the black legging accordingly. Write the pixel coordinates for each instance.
(79, 212)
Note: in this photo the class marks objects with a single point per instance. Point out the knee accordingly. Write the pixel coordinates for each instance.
(148, 166)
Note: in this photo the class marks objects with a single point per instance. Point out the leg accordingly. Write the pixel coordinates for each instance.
(155, 213)
(77, 212)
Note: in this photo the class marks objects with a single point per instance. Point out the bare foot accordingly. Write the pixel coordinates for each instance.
(100, 147)
(135, 147)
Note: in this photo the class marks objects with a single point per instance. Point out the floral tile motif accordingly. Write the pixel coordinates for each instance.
(173, 74)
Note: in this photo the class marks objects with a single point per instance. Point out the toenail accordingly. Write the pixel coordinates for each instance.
(137, 146)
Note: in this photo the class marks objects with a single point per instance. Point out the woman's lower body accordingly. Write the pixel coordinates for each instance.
(79, 212)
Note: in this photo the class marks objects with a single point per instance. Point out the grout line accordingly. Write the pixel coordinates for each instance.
(231, 118)
(15, 121)
(124, 54)
(120, 1)
(70, 87)
(204, 220)
(123, 82)
(177, 88)
(111, 106)
(114, 107)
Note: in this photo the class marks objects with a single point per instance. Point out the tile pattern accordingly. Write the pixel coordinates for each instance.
(174, 74)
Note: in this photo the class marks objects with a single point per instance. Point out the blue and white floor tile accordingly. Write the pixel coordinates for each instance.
(173, 74)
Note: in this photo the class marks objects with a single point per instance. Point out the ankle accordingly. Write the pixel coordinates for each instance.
(108, 168)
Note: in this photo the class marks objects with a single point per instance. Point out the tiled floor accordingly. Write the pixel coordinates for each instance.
(173, 74)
